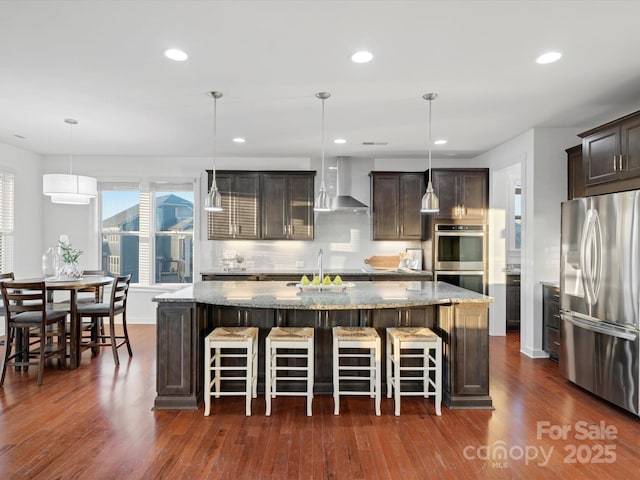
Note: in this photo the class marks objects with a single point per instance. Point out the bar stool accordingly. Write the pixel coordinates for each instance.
(215, 363)
(404, 343)
(299, 345)
(362, 356)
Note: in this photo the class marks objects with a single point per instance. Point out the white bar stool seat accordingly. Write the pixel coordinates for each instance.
(300, 339)
(420, 343)
(218, 370)
(348, 366)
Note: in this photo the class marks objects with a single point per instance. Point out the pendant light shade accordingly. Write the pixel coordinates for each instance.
(430, 202)
(323, 203)
(69, 189)
(213, 202)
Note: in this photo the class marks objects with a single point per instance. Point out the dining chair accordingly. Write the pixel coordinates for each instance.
(117, 306)
(4, 276)
(25, 305)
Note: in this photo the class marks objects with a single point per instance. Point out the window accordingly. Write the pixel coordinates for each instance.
(148, 232)
(6, 221)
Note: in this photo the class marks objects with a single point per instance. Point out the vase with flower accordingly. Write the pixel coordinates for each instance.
(70, 268)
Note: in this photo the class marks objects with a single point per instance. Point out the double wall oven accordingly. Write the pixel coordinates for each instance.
(459, 255)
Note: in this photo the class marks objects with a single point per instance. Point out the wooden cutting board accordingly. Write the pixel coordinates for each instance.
(383, 262)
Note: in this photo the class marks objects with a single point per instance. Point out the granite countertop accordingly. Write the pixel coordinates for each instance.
(356, 295)
(328, 271)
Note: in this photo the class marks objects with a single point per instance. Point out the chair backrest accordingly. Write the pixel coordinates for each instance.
(19, 297)
(120, 291)
(5, 276)
(97, 291)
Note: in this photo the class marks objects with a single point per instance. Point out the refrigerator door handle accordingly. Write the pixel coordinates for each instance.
(597, 329)
(596, 239)
(585, 257)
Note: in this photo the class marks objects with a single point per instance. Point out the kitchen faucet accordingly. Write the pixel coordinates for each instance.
(320, 264)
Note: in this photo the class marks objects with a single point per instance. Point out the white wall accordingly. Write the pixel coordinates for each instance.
(541, 152)
(27, 168)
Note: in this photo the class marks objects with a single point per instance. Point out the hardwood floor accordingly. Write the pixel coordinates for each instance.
(97, 422)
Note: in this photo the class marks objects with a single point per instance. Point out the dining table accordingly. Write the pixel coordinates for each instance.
(73, 286)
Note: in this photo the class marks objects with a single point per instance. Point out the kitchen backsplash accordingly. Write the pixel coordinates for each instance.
(345, 239)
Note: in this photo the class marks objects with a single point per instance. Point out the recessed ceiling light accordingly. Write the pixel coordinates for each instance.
(175, 54)
(339, 141)
(549, 57)
(441, 141)
(239, 140)
(362, 57)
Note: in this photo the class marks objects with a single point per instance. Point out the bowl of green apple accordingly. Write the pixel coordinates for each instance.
(326, 284)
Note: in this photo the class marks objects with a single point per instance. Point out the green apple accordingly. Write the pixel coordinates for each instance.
(316, 280)
(304, 280)
(337, 280)
(327, 280)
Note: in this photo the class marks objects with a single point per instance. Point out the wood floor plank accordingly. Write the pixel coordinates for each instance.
(97, 422)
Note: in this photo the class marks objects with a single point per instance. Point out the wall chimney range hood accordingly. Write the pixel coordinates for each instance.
(343, 201)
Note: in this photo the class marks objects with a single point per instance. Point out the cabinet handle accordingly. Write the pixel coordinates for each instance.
(621, 165)
(557, 316)
(557, 344)
(239, 318)
(290, 230)
(246, 318)
(407, 318)
(401, 230)
(284, 230)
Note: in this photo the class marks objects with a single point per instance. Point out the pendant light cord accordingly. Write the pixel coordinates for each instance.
(215, 127)
(70, 147)
(430, 100)
(322, 185)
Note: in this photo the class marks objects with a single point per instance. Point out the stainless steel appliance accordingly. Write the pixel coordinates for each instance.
(600, 296)
(459, 255)
(469, 279)
(459, 247)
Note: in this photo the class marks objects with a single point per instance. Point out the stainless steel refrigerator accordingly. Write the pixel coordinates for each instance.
(600, 296)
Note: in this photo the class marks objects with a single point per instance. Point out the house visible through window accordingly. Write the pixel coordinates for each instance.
(6, 221)
(148, 232)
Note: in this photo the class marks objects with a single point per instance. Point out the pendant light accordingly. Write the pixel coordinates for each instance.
(322, 201)
(213, 202)
(430, 202)
(69, 189)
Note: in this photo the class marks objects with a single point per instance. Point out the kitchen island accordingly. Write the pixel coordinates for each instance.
(186, 316)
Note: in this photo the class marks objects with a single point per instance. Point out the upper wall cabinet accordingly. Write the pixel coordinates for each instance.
(463, 193)
(239, 218)
(287, 206)
(395, 204)
(575, 173)
(611, 153)
(271, 205)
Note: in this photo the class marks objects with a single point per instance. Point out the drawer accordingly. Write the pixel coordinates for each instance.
(552, 342)
(552, 316)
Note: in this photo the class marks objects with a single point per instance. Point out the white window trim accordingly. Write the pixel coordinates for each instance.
(7, 217)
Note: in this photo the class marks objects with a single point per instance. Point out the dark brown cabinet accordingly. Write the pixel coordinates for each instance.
(611, 152)
(465, 350)
(575, 173)
(395, 201)
(463, 193)
(240, 217)
(263, 205)
(551, 320)
(287, 206)
(513, 303)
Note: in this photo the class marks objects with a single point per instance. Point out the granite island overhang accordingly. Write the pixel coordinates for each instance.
(187, 316)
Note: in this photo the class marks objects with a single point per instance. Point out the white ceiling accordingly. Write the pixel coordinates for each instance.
(101, 63)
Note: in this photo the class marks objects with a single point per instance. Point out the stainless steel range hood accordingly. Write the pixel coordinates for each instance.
(343, 201)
